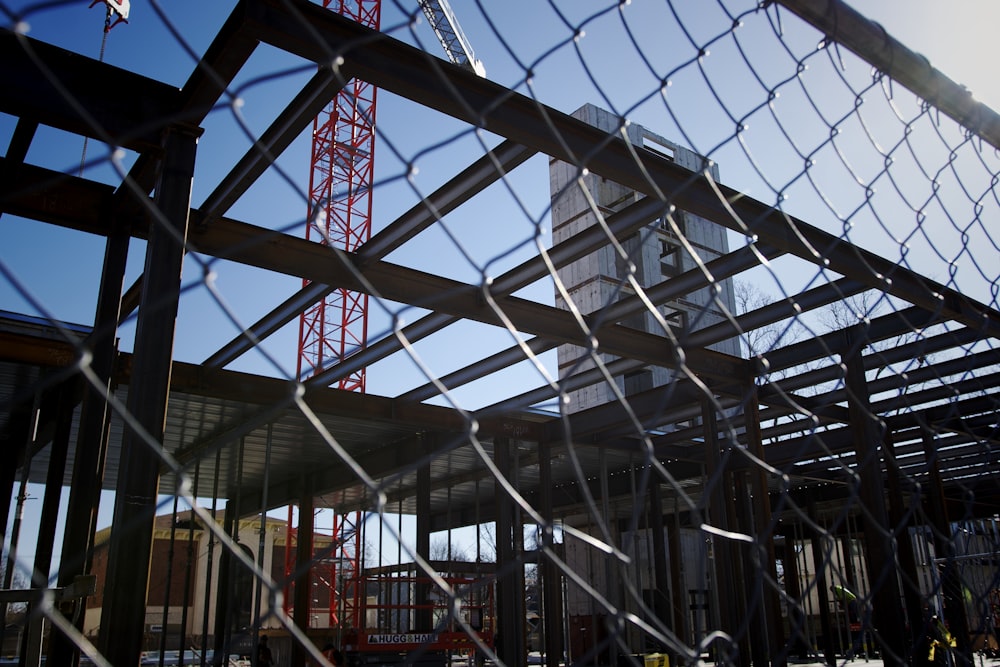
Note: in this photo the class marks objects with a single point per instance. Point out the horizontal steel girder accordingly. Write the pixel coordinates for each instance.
(402, 69)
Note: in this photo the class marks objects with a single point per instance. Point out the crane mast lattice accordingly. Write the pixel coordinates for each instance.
(340, 210)
(340, 215)
(445, 25)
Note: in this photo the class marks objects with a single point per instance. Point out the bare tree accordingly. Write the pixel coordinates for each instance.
(17, 580)
(861, 308)
(487, 543)
(442, 550)
(852, 310)
(757, 342)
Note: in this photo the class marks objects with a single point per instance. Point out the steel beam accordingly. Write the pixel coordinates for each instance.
(209, 80)
(476, 178)
(287, 311)
(289, 125)
(838, 22)
(839, 441)
(46, 84)
(298, 257)
(792, 307)
(907, 353)
(482, 368)
(566, 497)
(898, 323)
(775, 393)
(624, 222)
(56, 198)
(397, 67)
(264, 391)
(123, 625)
(689, 281)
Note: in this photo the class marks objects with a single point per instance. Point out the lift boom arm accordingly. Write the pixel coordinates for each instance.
(449, 32)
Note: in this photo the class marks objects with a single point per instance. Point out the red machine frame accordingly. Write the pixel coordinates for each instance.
(398, 589)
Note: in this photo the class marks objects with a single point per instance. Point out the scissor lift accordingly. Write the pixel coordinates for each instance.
(408, 616)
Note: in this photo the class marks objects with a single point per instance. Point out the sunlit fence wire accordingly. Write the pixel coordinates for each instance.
(678, 331)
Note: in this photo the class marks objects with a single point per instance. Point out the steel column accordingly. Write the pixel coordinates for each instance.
(224, 591)
(798, 639)
(13, 443)
(820, 563)
(303, 570)
(763, 528)
(424, 618)
(658, 535)
(900, 514)
(887, 614)
(261, 546)
(753, 574)
(678, 599)
(92, 443)
(123, 623)
(717, 504)
(510, 610)
(613, 535)
(60, 401)
(552, 602)
(210, 556)
(952, 588)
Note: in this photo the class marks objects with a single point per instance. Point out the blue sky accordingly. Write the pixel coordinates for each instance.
(586, 55)
(569, 67)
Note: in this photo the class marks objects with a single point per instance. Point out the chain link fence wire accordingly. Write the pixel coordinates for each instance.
(677, 332)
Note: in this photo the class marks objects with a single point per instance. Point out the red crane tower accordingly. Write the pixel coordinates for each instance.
(340, 192)
(341, 176)
(340, 215)
(340, 212)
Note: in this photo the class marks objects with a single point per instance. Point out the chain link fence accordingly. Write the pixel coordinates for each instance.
(668, 340)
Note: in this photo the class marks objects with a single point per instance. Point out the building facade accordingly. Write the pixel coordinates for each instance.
(182, 600)
(667, 247)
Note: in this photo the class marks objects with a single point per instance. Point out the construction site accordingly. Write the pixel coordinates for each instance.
(644, 334)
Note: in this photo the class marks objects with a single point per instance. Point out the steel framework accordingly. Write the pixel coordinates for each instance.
(246, 439)
(341, 172)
